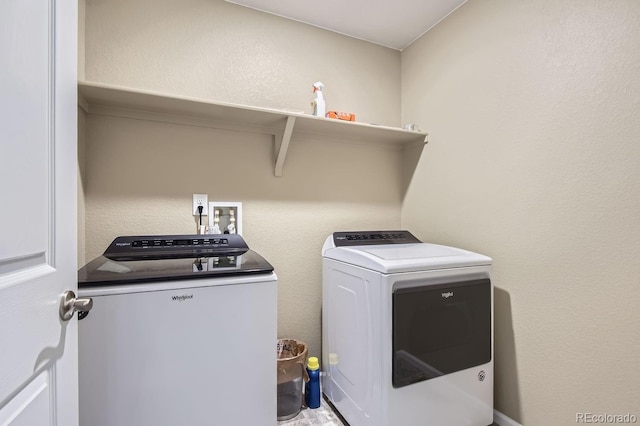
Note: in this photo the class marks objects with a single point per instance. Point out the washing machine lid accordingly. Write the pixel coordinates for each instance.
(143, 259)
(395, 256)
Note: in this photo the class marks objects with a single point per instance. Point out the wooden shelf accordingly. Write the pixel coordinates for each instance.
(96, 98)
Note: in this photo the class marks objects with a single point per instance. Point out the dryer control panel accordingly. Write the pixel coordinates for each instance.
(365, 238)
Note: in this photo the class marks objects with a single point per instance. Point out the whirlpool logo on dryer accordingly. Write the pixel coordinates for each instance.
(447, 295)
(182, 298)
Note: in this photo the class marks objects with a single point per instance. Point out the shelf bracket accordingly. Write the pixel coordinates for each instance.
(282, 145)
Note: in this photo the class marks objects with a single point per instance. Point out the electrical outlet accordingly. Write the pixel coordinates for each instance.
(200, 200)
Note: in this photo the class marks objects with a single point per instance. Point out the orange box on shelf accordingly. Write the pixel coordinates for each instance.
(346, 116)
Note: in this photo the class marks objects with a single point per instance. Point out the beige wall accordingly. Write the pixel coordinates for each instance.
(534, 159)
(81, 31)
(532, 112)
(81, 141)
(217, 50)
(140, 175)
(81, 189)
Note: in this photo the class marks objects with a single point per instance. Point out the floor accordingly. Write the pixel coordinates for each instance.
(323, 416)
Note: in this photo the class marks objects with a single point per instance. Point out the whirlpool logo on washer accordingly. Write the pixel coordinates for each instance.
(182, 298)
(447, 295)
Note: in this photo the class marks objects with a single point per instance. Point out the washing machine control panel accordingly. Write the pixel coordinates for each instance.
(361, 238)
(174, 246)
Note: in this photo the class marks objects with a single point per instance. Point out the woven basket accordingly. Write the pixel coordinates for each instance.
(292, 360)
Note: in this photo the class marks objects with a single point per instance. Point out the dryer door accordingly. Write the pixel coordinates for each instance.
(439, 329)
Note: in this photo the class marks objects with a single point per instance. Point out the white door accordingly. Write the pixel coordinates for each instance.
(38, 113)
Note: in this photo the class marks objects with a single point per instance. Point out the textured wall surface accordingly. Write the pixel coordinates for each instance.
(216, 50)
(81, 190)
(140, 175)
(534, 160)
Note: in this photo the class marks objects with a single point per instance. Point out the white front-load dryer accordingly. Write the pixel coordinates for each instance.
(407, 331)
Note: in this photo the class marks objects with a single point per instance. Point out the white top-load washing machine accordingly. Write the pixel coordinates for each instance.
(407, 331)
(182, 332)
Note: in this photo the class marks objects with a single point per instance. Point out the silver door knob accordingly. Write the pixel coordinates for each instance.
(71, 304)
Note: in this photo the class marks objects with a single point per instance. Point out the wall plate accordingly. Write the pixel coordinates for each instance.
(229, 212)
(200, 200)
